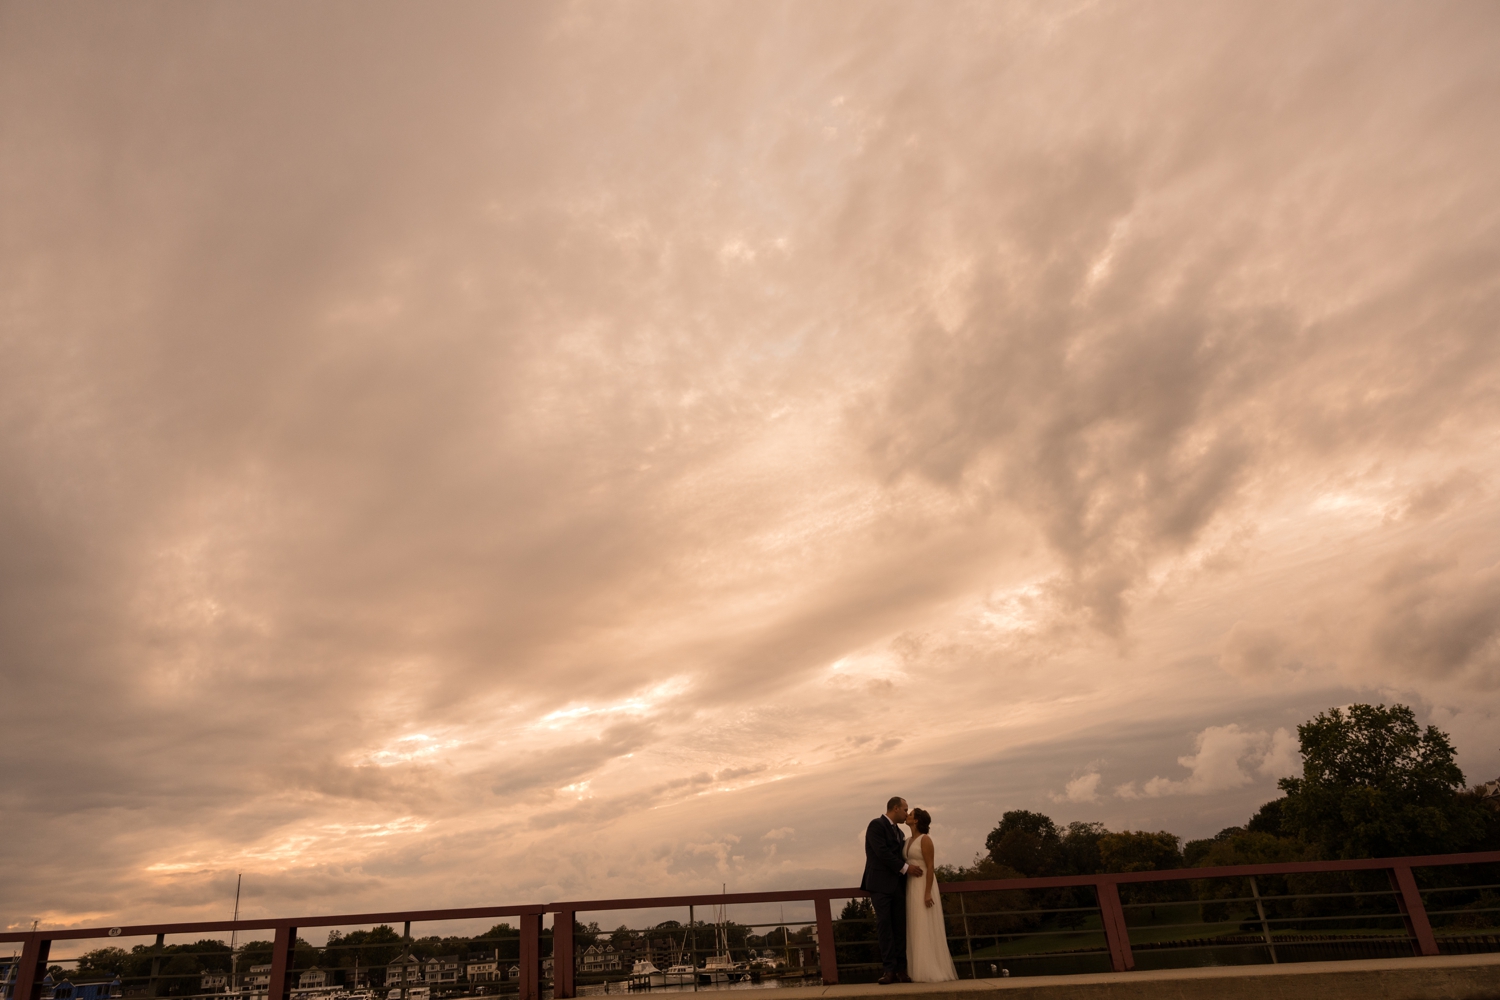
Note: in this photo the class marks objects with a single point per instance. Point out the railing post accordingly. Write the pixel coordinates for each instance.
(968, 940)
(282, 950)
(161, 940)
(1409, 898)
(564, 984)
(1265, 927)
(1116, 931)
(531, 956)
(33, 969)
(828, 956)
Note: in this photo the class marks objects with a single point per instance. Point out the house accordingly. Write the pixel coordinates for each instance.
(483, 968)
(317, 979)
(404, 971)
(258, 979)
(442, 971)
(67, 990)
(213, 982)
(514, 972)
(601, 958)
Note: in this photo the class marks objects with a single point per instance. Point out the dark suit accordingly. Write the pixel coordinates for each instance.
(886, 884)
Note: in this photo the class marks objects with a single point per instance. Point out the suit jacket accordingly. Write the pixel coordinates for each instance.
(883, 858)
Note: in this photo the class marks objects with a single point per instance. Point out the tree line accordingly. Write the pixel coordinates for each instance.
(1374, 784)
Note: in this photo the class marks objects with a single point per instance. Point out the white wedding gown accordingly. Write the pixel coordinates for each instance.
(927, 957)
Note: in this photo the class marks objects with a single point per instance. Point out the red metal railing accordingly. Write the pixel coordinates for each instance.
(36, 945)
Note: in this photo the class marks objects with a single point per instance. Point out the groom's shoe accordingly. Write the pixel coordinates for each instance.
(902, 977)
(887, 979)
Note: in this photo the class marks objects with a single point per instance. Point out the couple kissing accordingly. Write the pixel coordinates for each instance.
(900, 878)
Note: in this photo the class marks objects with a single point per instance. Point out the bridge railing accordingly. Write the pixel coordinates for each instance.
(1096, 908)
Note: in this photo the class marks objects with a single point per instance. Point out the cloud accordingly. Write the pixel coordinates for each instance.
(1084, 788)
(731, 417)
(1284, 758)
(1432, 499)
(1219, 764)
(1256, 652)
(552, 768)
(1430, 616)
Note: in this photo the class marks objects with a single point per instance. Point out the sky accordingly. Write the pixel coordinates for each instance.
(479, 453)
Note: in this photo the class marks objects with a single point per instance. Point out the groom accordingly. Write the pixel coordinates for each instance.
(885, 880)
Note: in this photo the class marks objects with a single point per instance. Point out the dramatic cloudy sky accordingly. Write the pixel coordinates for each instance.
(470, 453)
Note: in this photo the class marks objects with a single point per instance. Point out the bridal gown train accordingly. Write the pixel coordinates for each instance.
(927, 957)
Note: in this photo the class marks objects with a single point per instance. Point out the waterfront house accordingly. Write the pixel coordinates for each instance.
(601, 958)
(483, 968)
(317, 979)
(404, 971)
(442, 971)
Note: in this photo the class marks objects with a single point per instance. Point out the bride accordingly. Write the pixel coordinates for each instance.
(927, 957)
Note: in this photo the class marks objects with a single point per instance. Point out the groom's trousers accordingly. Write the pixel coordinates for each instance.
(890, 929)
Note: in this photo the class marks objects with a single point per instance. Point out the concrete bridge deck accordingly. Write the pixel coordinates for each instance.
(1441, 977)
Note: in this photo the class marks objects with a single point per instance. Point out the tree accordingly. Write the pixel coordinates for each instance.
(854, 934)
(1079, 850)
(1237, 846)
(1025, 841)
(507, 940)
(102, 963)
(1375, 784)
(1139, 851)
(378, 946)
(1268, 818)
(252, 953)
(583, 936)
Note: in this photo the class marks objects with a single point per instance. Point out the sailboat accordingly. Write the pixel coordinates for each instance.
(720, 967)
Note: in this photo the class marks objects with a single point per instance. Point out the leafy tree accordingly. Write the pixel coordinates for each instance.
(507, 940)
(1079, 849)
(254, 953)
(1027, 842)
(1139, 851)
(1268, 819)
(854, 934)
(368, 949)
(1375, 784)
(583, 936)
(1032, 845)
(1194, 851)
(1244, 847)
(102, 963)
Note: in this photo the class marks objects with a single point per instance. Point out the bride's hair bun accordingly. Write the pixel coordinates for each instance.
(924, 819)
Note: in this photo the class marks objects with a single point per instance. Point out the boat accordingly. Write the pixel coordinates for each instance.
(644, 975)
(679, 975)
(720, 967)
